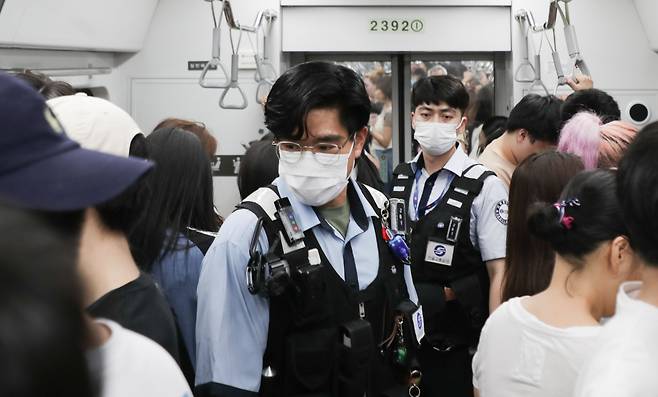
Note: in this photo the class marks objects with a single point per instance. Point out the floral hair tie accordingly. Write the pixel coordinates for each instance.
(565, 220)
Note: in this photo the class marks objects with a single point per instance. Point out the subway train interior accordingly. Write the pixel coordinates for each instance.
(465, 198)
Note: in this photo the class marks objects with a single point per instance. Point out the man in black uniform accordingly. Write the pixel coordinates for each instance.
(457, 212)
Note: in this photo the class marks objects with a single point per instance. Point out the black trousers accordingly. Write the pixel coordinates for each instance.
(446, 374)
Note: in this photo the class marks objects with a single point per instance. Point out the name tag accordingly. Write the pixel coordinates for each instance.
(439, 253)
(455, 203)
(402, 176)
(398, 188)
(419, 324)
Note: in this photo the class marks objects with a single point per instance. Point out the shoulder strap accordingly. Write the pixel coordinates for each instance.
(474, 182)
(375, 198)
(263, 198)
(261, 204)
(403, 180)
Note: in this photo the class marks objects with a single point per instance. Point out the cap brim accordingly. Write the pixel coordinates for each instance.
(71, 180)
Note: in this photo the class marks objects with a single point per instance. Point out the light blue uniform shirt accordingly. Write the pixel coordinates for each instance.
(232, 324)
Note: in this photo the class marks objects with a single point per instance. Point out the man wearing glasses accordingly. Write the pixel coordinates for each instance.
(335, 325)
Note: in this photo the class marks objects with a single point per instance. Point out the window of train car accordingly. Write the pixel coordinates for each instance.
(378, 79)
(390, 124)
(478, 78)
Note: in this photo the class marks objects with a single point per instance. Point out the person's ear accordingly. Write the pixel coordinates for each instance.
(622, 258)
(463, 123)
(413, 120)
(359, 141)
(521, 135)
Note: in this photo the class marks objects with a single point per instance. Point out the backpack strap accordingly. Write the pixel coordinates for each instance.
(261, 203)
(403, 181)
(377, 200)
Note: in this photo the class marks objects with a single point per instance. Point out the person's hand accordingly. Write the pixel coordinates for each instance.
(580, 82)
(449, 293)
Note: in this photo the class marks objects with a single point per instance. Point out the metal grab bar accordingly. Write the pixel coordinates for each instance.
(261, 67)
(203, 82)
(525, 63)
(561, 79)
(214, 61)
(233, 85)
(574, 50)
(261, 84)
(537, 80)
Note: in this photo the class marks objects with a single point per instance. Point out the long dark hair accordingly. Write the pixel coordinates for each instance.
(43, 333)
(181, 194)
(529, 261)
(588, 214)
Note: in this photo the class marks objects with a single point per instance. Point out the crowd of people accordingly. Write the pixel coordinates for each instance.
(513, 255)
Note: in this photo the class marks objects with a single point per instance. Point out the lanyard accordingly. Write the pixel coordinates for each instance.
(433, 203)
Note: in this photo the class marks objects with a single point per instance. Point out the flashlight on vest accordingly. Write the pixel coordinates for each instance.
(397, 245)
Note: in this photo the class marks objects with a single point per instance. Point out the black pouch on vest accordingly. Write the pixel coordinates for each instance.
(310, 356)
(355, 352)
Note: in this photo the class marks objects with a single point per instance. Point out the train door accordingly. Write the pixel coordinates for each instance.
(389, 79)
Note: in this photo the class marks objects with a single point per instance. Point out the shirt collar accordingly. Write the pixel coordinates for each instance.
(307, 217)
(628, 292)
(456, 163)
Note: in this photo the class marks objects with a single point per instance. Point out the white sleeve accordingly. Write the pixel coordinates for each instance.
(490, 209)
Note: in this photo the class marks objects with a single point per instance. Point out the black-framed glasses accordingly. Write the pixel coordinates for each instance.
(324, 153)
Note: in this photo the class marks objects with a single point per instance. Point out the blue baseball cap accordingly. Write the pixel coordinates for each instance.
(42, 169)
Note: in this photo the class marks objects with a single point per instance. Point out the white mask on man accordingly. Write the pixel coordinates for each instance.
(436, 138)
(312, 182)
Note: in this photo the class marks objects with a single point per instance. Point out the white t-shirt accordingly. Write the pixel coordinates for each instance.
(519, 355)
(625, 362)
(133, 365)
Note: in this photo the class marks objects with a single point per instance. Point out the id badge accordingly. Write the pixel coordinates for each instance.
(439, 253)
(419, 324)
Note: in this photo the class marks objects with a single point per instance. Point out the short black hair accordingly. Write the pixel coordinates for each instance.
(637, 177)
(539, 115)
(436, 89)
(494, 127)
(259, 166)
(596, 217)
(591, 100)
(316, 85)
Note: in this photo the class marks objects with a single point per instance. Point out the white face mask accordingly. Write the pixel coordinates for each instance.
(436, 138)
(314, 183)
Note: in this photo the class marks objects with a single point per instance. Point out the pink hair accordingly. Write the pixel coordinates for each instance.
(581, 136)
(615, 138)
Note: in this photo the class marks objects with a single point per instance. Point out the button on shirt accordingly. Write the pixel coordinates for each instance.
(488, 223)
(232, 324)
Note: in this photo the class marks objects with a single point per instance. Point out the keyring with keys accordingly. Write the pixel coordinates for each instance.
(414, 379)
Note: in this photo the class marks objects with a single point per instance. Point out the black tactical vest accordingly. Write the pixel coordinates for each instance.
(440, 234)
(305, 354)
